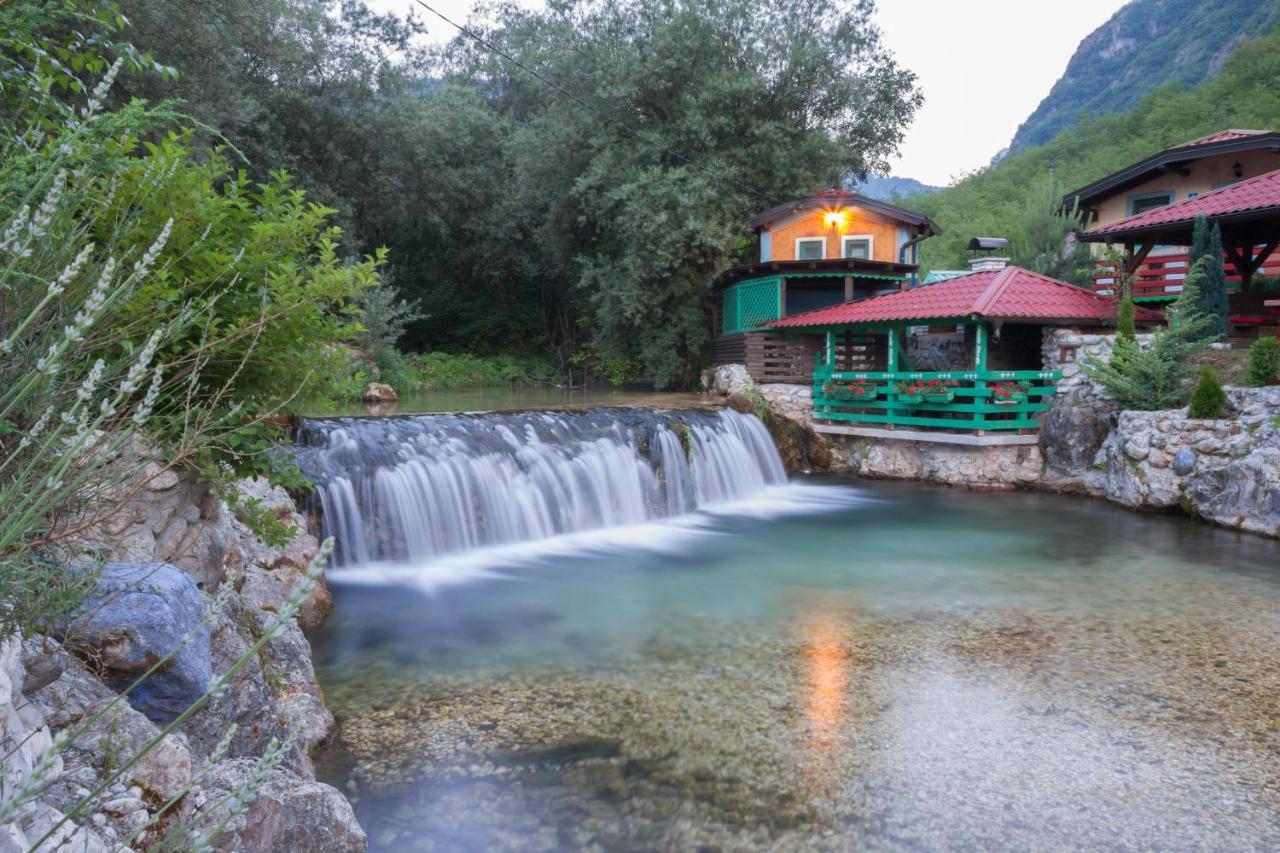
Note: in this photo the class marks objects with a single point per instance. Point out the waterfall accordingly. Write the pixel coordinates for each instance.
(419, 487)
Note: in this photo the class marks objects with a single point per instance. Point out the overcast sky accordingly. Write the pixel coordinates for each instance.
(984, 65)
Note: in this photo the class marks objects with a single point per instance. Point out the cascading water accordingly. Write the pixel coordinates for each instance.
(415, 488)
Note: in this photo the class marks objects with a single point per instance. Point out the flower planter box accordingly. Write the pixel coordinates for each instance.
(940, 396)
(1009, 393)
(853, 392)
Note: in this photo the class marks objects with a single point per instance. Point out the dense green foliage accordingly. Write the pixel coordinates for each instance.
(1207, 399)
(991, 201)
(439, 371)
(1146, 44)
(518, 220)
(1210, 280)
(1264, 362)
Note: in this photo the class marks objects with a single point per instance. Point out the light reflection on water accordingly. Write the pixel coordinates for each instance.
(885, 666)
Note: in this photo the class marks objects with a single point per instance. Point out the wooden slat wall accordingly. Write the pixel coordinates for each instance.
(774, 358)
(729, 349)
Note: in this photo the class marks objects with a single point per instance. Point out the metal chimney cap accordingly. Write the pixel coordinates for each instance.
(981, 243)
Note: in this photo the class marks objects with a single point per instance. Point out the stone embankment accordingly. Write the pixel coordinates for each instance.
(1225, 471)
(169, 553)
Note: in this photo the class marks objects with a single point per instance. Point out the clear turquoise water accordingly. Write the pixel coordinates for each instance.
(833, 666)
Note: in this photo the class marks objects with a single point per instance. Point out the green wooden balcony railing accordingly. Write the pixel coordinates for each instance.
(972, 409)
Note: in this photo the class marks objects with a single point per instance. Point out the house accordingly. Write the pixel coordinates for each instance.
(825, 249)
(1174, 175)
(988, 385)
(1247, 213)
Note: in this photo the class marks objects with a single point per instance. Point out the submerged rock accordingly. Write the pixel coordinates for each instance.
(138, 614)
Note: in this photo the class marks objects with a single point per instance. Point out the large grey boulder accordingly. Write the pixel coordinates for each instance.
(1244, 493)
(137, 614)
(288, 813)
(1072, 435)
(117, 730)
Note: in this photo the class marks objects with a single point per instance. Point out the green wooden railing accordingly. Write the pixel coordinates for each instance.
(972, 408)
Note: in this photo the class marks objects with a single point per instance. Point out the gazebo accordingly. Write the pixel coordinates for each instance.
(864, 383)
(1247, 212)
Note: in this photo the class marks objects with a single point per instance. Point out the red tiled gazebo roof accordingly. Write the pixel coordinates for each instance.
(1008, 294)
(1255, 198)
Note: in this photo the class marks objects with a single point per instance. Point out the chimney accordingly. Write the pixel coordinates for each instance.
(988, 263)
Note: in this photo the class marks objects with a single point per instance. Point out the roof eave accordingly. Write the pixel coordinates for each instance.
(1137, 235)
(1115, 182)
(902, 214)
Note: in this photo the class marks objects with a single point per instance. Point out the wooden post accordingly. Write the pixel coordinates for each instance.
(980, 366)
(782, 297)
(848, 288)
(830, 356)
(892, 360)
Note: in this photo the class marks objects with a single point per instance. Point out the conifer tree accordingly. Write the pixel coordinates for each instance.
(1211, 301)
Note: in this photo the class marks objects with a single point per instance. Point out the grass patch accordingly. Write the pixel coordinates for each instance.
(1228, 364)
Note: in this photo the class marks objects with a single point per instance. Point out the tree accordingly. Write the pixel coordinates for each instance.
(1043, 236)
(700, 114)
(1155, 377)
(1211, 281)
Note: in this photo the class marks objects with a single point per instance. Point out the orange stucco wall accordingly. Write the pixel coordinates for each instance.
(855, 222)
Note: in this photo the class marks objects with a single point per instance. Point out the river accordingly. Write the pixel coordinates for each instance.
(797, 665)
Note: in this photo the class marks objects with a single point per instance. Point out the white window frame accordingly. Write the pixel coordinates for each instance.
(868, 238)
(799, 240)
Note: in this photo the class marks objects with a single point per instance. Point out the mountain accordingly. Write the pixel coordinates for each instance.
(889, 188)
(996, 200)
(1145, 45)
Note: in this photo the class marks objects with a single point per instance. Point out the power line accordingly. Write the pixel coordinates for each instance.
(551, 84)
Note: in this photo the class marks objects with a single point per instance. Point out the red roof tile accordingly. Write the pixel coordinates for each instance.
(1257, 193)
(1220, 136)
(1010, 293)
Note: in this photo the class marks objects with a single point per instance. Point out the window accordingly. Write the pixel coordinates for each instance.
(811, 248)
(856, 246)
(1150, 201)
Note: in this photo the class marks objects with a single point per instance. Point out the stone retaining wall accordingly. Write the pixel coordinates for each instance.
(1226, 471)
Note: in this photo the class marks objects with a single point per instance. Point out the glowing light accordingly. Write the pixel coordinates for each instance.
(834, 218)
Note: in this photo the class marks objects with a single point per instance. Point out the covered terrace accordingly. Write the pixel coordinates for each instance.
(997, 392)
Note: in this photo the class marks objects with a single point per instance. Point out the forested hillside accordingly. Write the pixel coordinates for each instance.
(521, 220)
(1146, 44)
(1013, 196)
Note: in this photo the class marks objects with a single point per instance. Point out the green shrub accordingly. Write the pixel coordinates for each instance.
(392, 367)
(1264, 362)
(1208, 399)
